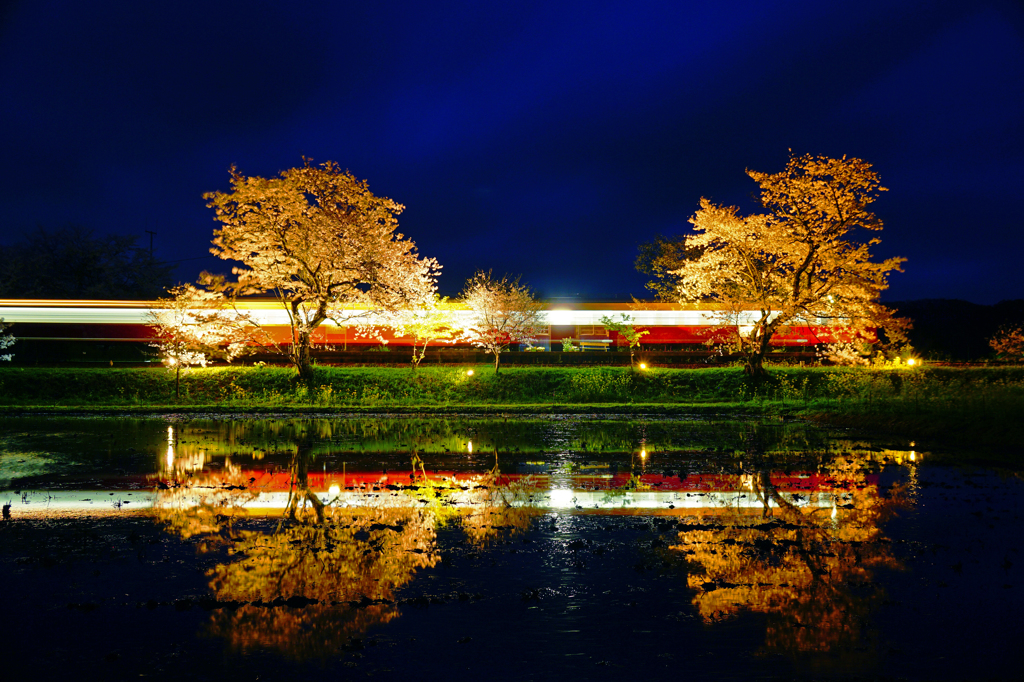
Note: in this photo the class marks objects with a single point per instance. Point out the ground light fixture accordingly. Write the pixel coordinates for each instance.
(469, 372)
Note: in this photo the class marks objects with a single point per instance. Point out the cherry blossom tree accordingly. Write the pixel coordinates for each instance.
(194, 326)
(438, 320)
(503, 312)
(801, 261)
(319, 241)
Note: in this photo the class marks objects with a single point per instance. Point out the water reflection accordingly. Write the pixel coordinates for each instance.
(314, 528)
(810, 568)
(306, 588)
(313, 574)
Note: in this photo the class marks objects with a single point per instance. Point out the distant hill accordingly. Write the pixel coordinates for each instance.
(950, 329)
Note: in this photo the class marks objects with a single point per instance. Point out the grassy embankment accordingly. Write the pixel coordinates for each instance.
(981, 406)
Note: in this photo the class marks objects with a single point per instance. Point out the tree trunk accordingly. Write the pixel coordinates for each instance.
(300, 483)
(177, 380)
(755, 356)
(497, 357)
(417, 356)
(301, 356)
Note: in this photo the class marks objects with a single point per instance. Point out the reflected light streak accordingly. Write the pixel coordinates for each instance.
(170, 447)
(561, 498)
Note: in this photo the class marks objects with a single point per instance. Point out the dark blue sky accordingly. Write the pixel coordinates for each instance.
(544, 139)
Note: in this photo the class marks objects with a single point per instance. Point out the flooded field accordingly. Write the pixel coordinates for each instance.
(229, 548)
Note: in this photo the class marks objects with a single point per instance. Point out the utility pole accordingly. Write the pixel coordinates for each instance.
(151, 234)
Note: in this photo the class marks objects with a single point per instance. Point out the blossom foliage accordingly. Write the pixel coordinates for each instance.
(803, 260)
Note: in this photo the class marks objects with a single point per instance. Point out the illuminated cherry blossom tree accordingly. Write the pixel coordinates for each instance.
(504, 312)
(194, 326)
(438, 320)
(318, 240)
(798, 262)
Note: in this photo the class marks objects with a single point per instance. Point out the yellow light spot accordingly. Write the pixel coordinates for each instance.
(911, 362)
(469, 447)
(913, 456)
(469, 373)
(643, 365)
(334, 490)
(643, 453)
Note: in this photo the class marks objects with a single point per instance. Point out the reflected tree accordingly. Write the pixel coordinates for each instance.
(809, 568)
(336, 578)
(319, 568)
(501, 509)
(322, 574)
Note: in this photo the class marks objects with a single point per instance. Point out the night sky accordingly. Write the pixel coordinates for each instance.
(545, 139)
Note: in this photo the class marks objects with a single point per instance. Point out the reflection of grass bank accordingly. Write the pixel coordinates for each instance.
(976, 405)
(973, 420)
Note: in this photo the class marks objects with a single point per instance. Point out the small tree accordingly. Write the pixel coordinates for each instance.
(437, 321)
(503, 312)
(6, 341)
(195, 325)
(624, 327)
(844, 354)
(1009, 341)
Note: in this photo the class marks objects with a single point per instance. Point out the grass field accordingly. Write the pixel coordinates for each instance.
(982, 405)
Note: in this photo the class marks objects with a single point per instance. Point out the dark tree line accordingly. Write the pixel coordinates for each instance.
(73, 263)
(950, 329)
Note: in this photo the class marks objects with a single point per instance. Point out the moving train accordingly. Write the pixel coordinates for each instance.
(49, 330)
